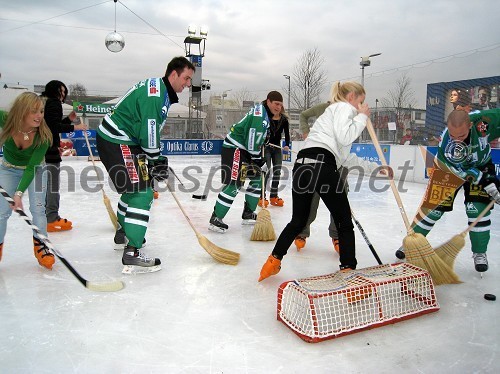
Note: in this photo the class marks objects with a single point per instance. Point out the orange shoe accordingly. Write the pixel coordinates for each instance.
(300, 242)
(156, 195)
(61, 224)
(1, 249)
(42, 254)
(277, 201)
(271, 267)
(336, 245)
(266, 203)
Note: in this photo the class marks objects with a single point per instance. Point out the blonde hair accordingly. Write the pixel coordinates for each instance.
(23, 105)
(340, 91)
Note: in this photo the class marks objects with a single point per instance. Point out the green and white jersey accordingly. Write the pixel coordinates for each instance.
(251, 132)
(466, 158)
(139, 116)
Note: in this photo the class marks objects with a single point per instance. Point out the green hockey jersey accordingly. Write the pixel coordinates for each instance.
(139, 116)
(251, 132)
(466, 159)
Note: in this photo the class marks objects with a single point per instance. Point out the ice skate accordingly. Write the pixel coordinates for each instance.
(136, 262)
(271, 267)
(480, 262)
(1, 250)
(42, 254)
(60, 224)
(249, 217)
(266, 203)
(300, 242)
(277, 201)
(217, 225)
(336, 245)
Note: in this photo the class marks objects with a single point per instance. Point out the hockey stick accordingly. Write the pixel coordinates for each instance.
(220, 254)
(109, 286)
(366, 238)
(107, 203)
(199, 197)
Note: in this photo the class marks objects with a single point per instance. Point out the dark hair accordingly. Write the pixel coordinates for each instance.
(52, 90)
(464, 98)
(178, 64)
(274, 96)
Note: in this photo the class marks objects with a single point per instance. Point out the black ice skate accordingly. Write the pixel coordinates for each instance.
(136, 262)
(249, 217)
(217, 225)
(480, 262)
(121, 240)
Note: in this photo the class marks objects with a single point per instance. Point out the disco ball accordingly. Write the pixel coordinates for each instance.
(114, 42)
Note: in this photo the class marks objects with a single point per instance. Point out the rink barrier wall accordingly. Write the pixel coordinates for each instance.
(397, 156)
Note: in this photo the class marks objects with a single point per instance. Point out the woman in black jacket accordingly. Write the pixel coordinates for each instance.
(56, 92)
(273, 154)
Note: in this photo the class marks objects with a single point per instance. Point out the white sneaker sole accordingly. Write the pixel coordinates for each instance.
(135, 269)
(216, 229)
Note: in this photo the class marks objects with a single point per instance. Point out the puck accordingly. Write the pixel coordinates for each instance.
(200, 197)
(489, 296)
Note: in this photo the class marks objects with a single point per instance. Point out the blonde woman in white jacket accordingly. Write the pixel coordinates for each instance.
(327, 147)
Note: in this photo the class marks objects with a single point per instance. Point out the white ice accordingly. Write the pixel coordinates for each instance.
(200, 316)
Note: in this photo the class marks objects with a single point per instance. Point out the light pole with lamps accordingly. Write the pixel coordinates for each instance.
(288, 77)
(365, 61)
(224, 94)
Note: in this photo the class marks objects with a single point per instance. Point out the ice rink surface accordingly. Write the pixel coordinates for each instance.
(200, 316)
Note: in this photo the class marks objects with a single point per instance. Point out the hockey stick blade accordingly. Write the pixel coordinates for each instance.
(101, 287)
(199, 197)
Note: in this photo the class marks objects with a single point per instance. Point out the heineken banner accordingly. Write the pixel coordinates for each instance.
(91, 108)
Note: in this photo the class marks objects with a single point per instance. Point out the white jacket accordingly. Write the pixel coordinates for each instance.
(335, 130)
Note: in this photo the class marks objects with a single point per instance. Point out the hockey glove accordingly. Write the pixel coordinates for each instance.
(493, 192)
(159, 169)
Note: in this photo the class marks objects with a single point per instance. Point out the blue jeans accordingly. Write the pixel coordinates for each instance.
(9, 180)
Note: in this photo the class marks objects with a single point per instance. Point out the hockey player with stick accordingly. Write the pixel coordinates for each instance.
(25, 138)
(241, 158)
(465, 151)
(128, 141)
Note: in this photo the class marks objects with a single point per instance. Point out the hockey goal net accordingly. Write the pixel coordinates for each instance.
(329, 306)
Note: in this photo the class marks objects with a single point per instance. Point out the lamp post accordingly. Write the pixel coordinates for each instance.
(288, 77)
(190, 42)
(365, 61)
(224, 94)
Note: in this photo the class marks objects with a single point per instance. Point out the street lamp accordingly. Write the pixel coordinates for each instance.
(224, 94)
(288, 77)
(365, 61)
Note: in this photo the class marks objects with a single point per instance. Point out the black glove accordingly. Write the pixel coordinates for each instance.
(159, 169)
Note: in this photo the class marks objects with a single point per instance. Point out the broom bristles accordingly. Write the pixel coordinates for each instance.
(448, 251)
(419, 252)
(222, 255)
(263, 229)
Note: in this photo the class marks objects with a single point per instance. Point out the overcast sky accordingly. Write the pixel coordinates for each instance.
(250, 44)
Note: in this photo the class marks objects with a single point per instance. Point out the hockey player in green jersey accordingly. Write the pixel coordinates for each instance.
(242, 158)
(128, 141)
(466, 152)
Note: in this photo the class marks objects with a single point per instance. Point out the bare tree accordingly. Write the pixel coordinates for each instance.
(309, 79)
(402, 99)
(243, 95)
(77, 92)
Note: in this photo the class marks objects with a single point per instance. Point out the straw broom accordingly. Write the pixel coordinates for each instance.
(107, 202)
(448, 251)
(263, 229)
(417, 248)
(222, 255)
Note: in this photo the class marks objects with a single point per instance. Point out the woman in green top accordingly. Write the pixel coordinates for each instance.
(25, 138)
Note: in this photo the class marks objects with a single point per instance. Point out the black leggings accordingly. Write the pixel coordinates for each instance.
(324, 179)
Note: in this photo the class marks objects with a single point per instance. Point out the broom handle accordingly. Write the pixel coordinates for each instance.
(479, 217)
(277, 146)
(92, 157)
(182, 210)
(381, 156)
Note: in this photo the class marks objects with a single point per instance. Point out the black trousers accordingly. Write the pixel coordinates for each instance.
(325, 180)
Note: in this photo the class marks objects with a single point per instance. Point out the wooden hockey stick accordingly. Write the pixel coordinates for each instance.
(219, 254)
(417, 248)
(108, 286)
(107, 202)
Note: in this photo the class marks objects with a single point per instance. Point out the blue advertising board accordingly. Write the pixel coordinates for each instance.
(369, 153)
